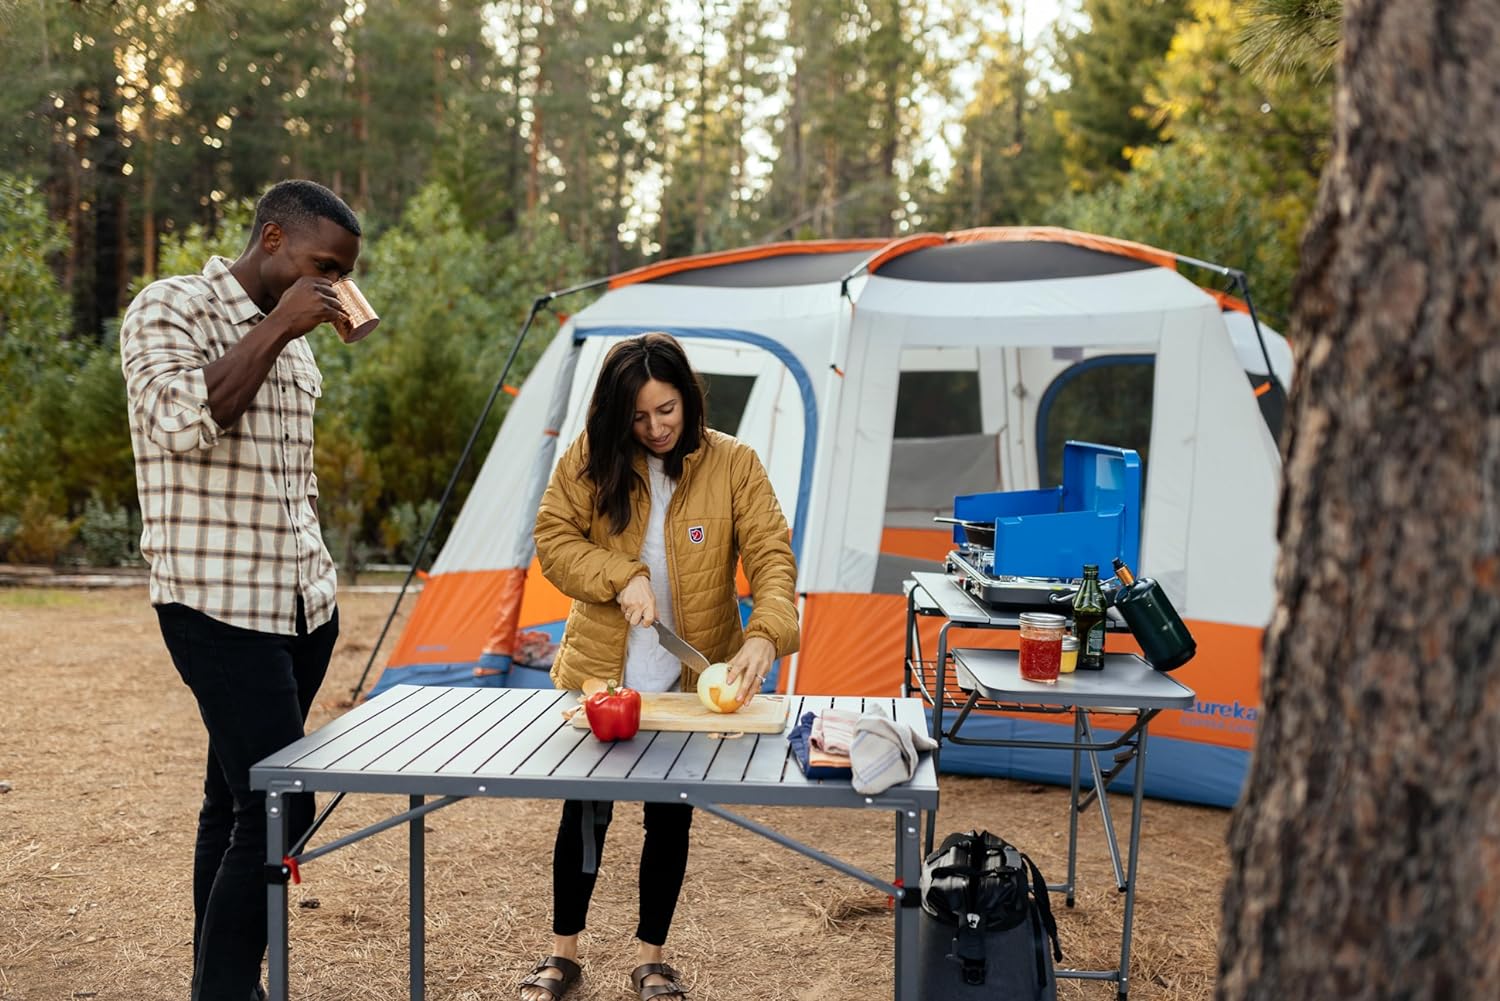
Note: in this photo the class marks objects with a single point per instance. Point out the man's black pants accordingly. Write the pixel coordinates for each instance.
(254, 691)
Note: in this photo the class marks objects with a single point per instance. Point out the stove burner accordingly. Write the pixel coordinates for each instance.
(973, 568)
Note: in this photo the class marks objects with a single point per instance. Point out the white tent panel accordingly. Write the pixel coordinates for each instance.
(1175, 403)
(493, 530)
(1231, 543)
(773, 424)
(1247, 348)
(852, 497)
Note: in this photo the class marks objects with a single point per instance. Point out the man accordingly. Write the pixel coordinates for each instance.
(221, 387)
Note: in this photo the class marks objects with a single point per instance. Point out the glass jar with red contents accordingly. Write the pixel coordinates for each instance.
(1041, 646)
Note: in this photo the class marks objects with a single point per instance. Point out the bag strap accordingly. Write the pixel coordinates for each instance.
(1038, 950)
(1043, 905)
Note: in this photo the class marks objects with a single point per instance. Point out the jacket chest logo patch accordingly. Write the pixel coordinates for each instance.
(695, 535)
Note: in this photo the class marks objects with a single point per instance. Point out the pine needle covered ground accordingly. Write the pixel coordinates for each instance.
(102, 748)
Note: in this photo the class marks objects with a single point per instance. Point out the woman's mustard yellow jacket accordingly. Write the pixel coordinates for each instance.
(723, 508)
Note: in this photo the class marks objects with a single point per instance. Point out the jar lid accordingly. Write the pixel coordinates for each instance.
(1070, 642)
(1043, 620)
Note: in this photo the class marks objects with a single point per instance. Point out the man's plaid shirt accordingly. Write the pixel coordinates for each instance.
(230, 515)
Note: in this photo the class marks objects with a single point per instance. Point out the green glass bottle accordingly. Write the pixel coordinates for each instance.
(1088, 620)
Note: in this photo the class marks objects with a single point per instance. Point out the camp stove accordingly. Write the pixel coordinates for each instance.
(973, 568)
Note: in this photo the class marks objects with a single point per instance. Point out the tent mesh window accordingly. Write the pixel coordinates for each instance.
(937, 404)
(1103, 400)
(938, 449)
(725, 400)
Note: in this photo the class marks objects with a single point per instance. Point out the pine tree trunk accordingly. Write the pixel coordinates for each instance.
(147, 162)
(1366, 852)
(700, 190)
(537, 134)
(362, 134)
(109, 210)
(741, 64)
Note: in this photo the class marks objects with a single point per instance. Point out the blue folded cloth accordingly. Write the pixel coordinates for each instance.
(799, 738)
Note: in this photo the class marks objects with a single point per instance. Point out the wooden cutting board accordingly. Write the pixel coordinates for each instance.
(684, 711)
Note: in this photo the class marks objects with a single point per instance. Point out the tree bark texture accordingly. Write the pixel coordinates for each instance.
(1365, 854)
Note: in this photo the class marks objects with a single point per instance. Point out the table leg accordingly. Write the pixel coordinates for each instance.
(1137, 793)
(1101, 794)
(911, 624)
(908, 870)
(940, 679)
(1073, 810)
(276, 899)
(417, 918)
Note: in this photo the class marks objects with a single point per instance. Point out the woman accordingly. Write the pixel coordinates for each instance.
(643, 520)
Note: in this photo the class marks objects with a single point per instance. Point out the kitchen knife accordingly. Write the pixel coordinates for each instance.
(680, 648)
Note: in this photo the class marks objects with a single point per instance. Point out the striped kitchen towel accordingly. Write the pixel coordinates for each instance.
(884, 753)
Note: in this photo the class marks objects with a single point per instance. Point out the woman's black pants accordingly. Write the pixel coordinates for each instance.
(575, 861)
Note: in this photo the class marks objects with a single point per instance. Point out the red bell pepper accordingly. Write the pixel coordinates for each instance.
(614, 713)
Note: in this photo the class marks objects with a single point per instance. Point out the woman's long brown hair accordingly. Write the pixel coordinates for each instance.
(612, 443)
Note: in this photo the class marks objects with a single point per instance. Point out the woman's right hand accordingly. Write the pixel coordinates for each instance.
(638, 601)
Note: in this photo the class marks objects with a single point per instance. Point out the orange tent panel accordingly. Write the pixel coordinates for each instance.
(453, 617)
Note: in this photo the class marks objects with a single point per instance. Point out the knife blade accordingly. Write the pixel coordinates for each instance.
(680, 648)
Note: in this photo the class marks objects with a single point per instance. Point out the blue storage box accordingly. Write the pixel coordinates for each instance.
(1094, 517)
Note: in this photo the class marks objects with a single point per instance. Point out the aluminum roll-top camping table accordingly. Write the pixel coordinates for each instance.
(455, 743)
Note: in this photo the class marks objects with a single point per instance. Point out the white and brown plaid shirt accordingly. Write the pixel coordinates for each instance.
(230, 515)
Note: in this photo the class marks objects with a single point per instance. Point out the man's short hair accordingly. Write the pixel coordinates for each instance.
(293, 204)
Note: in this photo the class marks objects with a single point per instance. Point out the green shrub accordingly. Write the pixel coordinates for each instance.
(110, 535)
(401, 532)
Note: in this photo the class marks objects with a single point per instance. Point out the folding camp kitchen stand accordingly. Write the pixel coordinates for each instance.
(460, 742)
(990, 679)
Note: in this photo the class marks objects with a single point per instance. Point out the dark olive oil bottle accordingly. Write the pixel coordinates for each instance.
(1088, 620)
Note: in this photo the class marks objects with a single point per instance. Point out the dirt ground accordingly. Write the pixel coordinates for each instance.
(103, 750)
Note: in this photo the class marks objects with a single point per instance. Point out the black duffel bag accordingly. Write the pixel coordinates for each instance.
(986, 923)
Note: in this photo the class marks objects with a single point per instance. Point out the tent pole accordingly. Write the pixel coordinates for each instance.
(1242, 284)
(1244, 288)
(536, 307)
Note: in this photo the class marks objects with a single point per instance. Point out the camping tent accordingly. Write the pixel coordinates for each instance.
(877, 379)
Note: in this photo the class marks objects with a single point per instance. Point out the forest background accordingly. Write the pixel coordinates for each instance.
(498, 150)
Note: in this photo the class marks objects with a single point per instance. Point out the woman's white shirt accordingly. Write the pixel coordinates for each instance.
(648, 667)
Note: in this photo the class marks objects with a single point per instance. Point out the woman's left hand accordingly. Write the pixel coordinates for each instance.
(748, 668)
